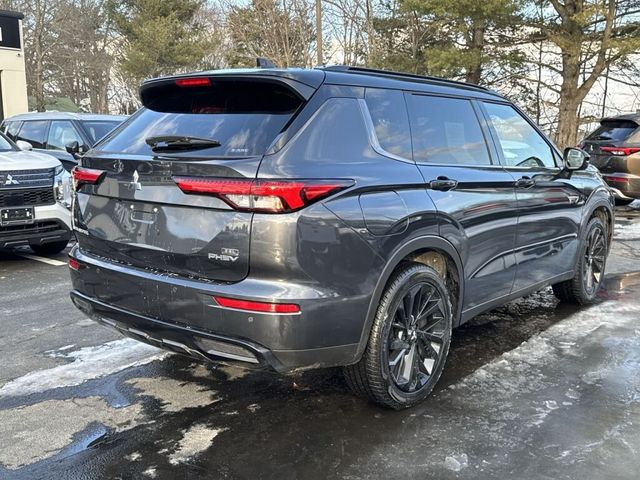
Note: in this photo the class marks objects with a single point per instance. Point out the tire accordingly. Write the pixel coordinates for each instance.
(397, 340)
(49, 248)
(578, 290)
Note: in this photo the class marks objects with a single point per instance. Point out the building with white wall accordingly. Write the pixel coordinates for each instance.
(13, 80)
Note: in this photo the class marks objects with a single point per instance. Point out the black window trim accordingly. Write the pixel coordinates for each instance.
(491, 152)
(555, 153)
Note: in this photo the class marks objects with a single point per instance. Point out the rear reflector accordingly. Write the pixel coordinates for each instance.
(74, 264)
(623, 151)
(193, 82)
(257, 306)
(616, 179)
(270, 196)
(83, 176)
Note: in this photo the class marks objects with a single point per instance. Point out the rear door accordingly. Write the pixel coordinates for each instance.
(473, 193)
(549, 204)
(137, 214)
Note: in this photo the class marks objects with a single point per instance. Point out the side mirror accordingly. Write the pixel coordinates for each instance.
(575, 159)
(73, 148)
(22, 145)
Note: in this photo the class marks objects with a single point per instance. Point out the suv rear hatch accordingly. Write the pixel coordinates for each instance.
(139, 194)
(610, 142)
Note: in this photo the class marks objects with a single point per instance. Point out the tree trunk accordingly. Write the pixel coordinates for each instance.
(570, 99)
(474, 73)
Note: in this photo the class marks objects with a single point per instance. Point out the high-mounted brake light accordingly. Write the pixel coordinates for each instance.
(257, 306)
(622, 151)
(270, 196)
(83, 176)
(193, 82)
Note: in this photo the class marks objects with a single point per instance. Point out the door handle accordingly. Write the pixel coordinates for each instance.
(443, 184)
(525, 182)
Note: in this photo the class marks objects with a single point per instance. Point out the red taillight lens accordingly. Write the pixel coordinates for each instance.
(622, 151)
(193, 82)
(257, 306)
(74, 264)
(611, 178)
(262, 195)
(83, 176)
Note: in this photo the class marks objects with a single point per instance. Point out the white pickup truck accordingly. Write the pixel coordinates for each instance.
(35, 198)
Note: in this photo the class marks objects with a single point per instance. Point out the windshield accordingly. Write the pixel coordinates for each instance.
(99, 128)
(241, 118)
(613, 131)
(5, 145)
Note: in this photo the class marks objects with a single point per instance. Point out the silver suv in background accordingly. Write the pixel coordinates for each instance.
(35, 198)
(64, 135)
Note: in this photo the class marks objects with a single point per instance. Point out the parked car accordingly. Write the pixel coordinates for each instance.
(615, 150)
(35, 199)
(64, 135)
(340, 216)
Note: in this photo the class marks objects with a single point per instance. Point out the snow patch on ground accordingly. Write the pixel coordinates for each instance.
(85, 364)
(194, 441)
(174, 395)
(627, 232)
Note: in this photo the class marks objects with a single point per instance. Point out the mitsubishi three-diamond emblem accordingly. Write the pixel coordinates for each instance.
(10, 180)
(136, 184)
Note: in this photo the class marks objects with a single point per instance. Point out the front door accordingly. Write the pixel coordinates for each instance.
(549, 202)
(473, 193)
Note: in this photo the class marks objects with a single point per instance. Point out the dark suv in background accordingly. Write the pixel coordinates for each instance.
(61, 134)
(615, 150)
(300, 219)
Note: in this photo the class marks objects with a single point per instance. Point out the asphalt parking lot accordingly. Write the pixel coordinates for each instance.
(535, 389)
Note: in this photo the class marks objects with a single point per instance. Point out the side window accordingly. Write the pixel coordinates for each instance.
(33, 132)
(390, 121)
(446, 130)
(11, 129)
(522, 145)
(61, 133)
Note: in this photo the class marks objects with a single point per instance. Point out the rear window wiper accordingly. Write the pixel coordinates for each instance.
(167, 143)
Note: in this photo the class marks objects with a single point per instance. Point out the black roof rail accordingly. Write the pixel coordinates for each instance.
(402, 75)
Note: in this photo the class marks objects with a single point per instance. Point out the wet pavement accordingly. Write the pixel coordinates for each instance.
(535, 389)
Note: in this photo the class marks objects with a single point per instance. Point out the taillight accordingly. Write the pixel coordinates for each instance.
(74, 264)
(271, 196)
(257, 306)
(82, 176)
(193, 82)
(623, 151)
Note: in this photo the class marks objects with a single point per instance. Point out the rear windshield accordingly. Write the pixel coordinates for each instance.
(98, 128)
(619, 130)
(243, 117)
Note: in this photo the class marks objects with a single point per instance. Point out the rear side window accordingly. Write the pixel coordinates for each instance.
(244, 117)
(618, 130)
(390, 120)
(98, 128)
(34, 133)
(62, 132)
(447, 131)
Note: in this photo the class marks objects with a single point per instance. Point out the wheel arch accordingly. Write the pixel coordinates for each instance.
(414, 250)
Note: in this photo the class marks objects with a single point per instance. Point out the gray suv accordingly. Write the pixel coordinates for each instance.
(297, 219)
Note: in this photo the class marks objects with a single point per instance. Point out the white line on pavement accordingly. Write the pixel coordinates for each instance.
(48, 261)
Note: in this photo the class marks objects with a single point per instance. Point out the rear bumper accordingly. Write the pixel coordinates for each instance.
(52, 223)
(625, 186)
(180, 315)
